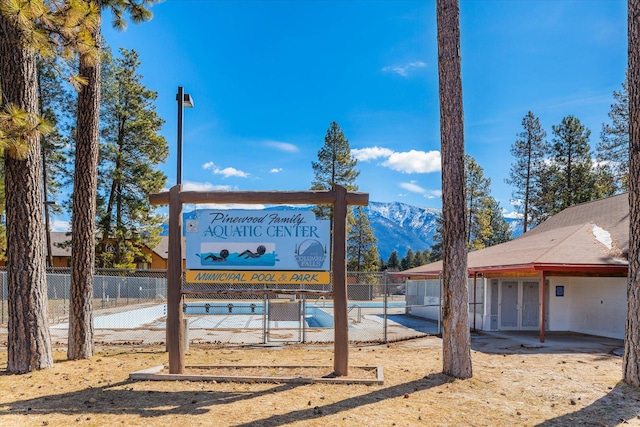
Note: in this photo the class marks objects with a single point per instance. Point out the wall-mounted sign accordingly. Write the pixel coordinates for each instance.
(257, 240)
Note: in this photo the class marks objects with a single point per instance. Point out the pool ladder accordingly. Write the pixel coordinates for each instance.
(358, 312)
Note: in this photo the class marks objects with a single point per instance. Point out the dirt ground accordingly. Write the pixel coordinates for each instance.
(513, 385)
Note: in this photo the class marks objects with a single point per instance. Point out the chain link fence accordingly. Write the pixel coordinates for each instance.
(424, 300)
(130, 309)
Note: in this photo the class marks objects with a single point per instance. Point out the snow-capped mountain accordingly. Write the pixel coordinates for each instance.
(399, 226)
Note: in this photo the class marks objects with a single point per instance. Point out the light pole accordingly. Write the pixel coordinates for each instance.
(47, 225)
(175, 327)
(184, 100)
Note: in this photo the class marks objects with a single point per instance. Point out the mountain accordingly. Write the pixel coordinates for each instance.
(400, 227)
(397, 226)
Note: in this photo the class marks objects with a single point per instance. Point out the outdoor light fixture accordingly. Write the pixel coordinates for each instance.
(187, 101)
(184, 100)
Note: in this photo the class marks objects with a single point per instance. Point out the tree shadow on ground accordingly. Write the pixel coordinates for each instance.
(122, 399)
(619, 406)
(431, 380)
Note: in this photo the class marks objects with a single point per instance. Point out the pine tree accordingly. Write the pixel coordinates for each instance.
(362, 252)
(436, 247)
(544, 200)
(57, 107)
(335, 165)
(477, 190)
(613, 147)
(29, 342)
(528, 152)
(494, 228)
(456, 339)
(27, 27)
(393, 263)
(631, 357)
(408, 260)
(421, 258)
(568, 176)
(571, 155)
(485, 221)
(131, 149)
(81, 341)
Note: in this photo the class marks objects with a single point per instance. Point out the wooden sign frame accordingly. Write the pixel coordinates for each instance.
(339, 197)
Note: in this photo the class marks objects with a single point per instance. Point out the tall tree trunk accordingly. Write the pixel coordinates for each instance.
(85, 183)
(631, 359)
(29, 342)
(455, 310)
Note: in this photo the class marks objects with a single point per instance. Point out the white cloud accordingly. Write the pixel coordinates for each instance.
(60, 225)
(404, 70)
(204, 186)
(282, 146)
(414, 161)
(372, 153)
(412, 187)
(433, 194)
(226, 172)
(275, 170)
(228, 206)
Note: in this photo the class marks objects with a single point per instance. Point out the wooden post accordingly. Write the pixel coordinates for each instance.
(175, 331)
(339, 266)
(543, 303)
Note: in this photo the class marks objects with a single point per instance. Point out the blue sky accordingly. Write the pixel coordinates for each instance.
(267, 78)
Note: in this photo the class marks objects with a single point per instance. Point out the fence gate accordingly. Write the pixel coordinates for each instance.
(284, 320)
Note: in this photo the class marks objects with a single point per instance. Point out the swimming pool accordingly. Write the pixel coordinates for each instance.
(209, 307)
(314, 316)
(239, 315)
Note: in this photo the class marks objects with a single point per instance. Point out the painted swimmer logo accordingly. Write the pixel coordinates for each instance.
(310, 254)
(238, 254)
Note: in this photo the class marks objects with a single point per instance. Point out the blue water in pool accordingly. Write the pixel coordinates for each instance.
(315, 317)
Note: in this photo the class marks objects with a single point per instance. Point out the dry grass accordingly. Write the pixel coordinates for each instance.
(528, 387)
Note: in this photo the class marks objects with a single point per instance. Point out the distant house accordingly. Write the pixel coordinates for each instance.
(160, 255)
(570, 271)
(61, 252)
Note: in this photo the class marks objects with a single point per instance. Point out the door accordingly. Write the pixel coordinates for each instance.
(494, 304)
(519, 304)
(509, 305)
(530, 305)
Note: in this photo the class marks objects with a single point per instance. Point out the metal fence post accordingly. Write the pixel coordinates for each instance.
(440, 303)
(386, 299)
(264, 318)
(304, 318)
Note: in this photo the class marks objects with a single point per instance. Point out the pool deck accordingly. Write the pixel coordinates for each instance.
(147, 325)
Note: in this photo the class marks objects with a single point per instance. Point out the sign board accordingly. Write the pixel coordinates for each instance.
(257, 240)
(258, 277)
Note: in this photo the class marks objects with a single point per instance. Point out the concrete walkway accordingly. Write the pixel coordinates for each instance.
(555, 342)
